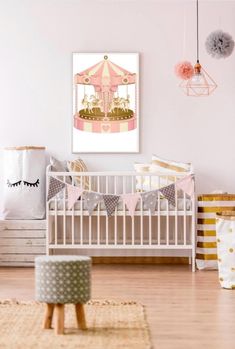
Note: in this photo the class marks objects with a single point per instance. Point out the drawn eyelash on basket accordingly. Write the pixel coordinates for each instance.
(36, 184)
(16, 184)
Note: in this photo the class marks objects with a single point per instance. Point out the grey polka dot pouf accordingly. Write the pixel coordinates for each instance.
(63, 279)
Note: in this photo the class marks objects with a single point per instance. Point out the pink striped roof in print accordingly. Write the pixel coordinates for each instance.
(105, 68)
(105, 73)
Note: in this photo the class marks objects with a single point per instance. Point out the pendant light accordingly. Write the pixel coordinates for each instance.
(201, 83)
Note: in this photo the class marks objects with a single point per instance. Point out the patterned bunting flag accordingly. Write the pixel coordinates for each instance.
(150, 200)
(187, 185)
(55, 186)
(92, 199)
(73, 194)
(110, 202)
(169, 193)
(130, 200)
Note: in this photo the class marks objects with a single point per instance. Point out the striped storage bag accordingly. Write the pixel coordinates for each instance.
(208, 206)
(225, 233)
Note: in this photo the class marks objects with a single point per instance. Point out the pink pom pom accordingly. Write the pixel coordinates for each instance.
(184, 70)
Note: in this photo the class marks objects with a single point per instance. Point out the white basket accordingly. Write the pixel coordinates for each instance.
(225, 232)
(24, 183)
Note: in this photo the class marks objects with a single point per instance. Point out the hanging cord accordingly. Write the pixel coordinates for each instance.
(184, 34)
(197, 35)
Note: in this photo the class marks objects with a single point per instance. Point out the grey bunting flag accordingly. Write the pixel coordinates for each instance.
(55, 186)
(150, 200)
(110, 202)
(169, 193)
(92, 199)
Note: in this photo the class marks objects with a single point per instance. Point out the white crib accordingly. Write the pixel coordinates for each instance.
(169, 232)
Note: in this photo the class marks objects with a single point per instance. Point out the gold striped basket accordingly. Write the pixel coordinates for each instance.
(208, 206)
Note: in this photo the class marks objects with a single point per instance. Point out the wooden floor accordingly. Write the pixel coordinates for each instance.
(185, 310)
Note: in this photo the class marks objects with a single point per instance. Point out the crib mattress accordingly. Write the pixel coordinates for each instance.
(163, 205)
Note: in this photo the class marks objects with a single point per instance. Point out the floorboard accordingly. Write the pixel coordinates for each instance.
(185, 310)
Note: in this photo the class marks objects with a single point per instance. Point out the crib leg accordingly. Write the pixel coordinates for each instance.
(189, 260)
(193, 259)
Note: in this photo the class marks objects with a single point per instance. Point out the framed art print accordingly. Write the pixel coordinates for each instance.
(105, 103)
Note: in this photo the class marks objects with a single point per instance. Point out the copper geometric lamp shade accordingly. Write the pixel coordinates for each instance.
(201, 83)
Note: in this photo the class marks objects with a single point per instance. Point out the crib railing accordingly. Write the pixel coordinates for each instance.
(170, 228)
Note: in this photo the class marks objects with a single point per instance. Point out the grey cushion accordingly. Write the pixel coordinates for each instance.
(63, 279)
(60, 166)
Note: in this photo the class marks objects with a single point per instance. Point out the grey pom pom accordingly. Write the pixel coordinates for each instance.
(219, 44)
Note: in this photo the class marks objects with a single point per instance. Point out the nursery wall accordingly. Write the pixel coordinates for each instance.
(37, 38)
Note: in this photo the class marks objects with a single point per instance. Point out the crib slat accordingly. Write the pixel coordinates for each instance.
(150, 215)
(98, 213)
(56, 221)
(167, 222)
(115, 214)
(159, 213)
(107, 219)
(124, 211)
(90, 217)
(167, 216)
(64, 213)
(184, 224)
(72, 217)
(176, 214)
(81, 217)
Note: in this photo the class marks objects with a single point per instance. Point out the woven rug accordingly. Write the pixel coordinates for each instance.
(111, 325)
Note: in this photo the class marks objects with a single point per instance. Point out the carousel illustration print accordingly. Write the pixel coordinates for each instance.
(105, 102)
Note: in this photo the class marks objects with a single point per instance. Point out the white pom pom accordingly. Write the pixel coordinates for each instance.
(219, 44)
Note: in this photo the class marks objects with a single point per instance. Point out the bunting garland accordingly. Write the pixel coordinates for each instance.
(110, 202)
(169, 193)
(130, 200)
(186, 184)
(55, 186)
(74, 194)
(92, 199)
(149, 198)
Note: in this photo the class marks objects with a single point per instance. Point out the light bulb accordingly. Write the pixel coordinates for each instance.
(198, 84)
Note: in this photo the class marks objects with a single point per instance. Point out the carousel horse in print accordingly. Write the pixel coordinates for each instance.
(86, 103)
(127, 103)
(114, 104)
(121, 103)
(95, 102)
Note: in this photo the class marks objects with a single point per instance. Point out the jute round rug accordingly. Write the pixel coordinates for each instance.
(111, 325)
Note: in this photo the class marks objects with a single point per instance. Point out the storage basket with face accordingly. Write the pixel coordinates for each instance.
(24, 183)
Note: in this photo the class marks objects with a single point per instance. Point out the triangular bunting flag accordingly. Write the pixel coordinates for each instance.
(130, 200)
(187, 184)
(92, 199)
(55, 186)
(73, 194)
(169, 193)
(110, 202)
(150, 199)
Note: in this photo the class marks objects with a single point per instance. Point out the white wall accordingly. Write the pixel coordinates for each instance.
(37, 38)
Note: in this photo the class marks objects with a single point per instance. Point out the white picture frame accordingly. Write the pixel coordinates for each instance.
(105, 103)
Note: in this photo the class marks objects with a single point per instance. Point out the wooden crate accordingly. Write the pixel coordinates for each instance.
(21, 241)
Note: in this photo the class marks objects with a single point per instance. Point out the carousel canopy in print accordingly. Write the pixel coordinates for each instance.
(105, 76)
(105, 101)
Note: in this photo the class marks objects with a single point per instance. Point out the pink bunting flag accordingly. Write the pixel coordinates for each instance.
(130, 200)
(187, 185)
(73, 194)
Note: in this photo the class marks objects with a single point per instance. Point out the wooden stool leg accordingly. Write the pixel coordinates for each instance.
(59, 318)
(48, 316)
(80, 315)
